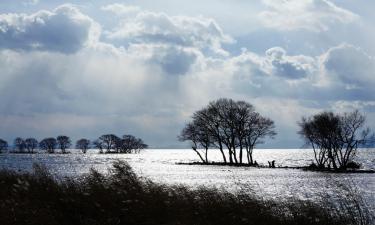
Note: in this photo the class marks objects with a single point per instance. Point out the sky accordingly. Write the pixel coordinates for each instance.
(87, 68)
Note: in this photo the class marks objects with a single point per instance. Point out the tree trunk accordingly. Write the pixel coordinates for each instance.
(222, 151)
(241, 152)
(206, 155)
(230, 156)
(199, 154)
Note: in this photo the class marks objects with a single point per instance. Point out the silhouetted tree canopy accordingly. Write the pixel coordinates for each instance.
(126, 144)
(48, 144)
(83, 144)
(19, 144)
(335, 138)
(108, 141)
(98, 144)
(225, 123)
(63, 142)
(3, 145)
(31, 144)
(129, 144)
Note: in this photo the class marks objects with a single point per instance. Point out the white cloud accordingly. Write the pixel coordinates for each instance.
(313, 15)
(121, 9)
(150, 27)
(65, 29)
(134, 85)
(349, 65)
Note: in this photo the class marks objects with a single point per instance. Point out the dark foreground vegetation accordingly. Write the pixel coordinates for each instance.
(123, 198)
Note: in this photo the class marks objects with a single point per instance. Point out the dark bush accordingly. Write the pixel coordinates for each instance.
(353, 165)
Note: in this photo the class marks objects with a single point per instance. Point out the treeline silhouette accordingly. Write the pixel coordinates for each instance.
(108, 142)
(122, 197)
(235, 128)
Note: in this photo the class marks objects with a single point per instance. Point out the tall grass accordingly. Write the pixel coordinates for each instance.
(124, 198)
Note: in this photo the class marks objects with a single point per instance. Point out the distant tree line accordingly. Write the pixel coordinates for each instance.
(234, 127)
(110, 142)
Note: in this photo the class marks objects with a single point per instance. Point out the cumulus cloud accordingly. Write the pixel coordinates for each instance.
(290, 67)
(313, 15)
(130, 81)
(121, 9)
(274, 64)
(350, 65)
(152, 27)
(65, 29)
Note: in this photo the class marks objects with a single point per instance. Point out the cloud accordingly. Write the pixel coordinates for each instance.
(65, 29)
(121, 9)
(30, 2)
(312, 15)
(151, 27)
(290, 67)
(351, 66)
(148, 76)
(173, 60)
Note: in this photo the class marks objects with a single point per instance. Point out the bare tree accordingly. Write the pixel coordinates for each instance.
(354, 134)
(256, 129)
(131, 144)
(48, 144)
(98, 144)
(208, 119)
(31, 144)
(19, 144)
(83, 144)
(192, 133)
(335, 138)
(3, 145)
(63, 142)
(229, 123)
(108, 141)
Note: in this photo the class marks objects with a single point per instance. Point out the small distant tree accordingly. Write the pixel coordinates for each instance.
(130, 144)
(19, 144)
(83, 144)
(48, 144)
(64, 143)
(3, 145)
(335, 138)
(98, 144)
(31, 144)
(108, 141)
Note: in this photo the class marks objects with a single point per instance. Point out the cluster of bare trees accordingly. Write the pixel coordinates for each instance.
(335, 138)
(114, 144)
(234, 127)
(49, 145)
(109, 142)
